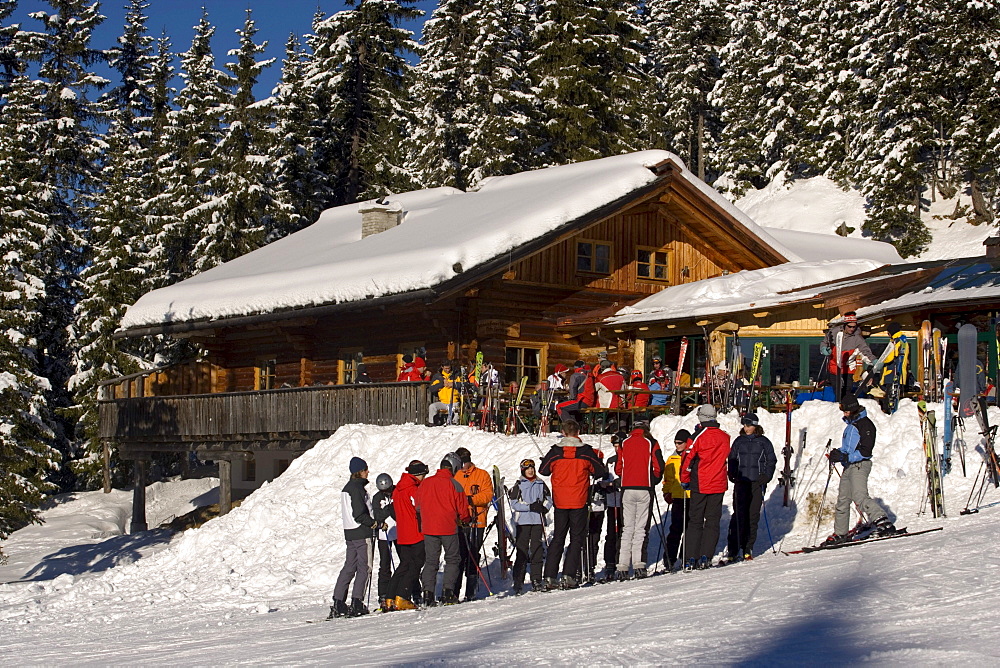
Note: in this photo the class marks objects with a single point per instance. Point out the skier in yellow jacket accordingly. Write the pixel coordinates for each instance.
(676, 496)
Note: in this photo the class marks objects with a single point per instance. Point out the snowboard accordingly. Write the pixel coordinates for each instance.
(967, 335)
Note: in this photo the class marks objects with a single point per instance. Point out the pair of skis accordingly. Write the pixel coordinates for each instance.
(932, 461)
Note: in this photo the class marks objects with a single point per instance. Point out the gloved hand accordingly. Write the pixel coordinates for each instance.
(836, 456)
(685, 485)
(668, 497)
(824, 349)
(538, 507)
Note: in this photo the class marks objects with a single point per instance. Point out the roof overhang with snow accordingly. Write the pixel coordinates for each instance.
(447, 239)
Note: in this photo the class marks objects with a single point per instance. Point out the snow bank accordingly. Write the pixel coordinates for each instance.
(283, 548)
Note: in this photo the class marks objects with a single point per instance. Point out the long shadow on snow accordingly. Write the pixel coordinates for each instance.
(96, 557)
(831, 631)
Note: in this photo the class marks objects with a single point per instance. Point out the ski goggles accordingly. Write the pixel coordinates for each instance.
(527, 464)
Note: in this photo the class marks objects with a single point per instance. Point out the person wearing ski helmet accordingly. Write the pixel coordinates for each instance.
(384, 515)
(751, 465)
(442, 510)
(703, 471)
(409, 539)
(359, 527)
(857, 444)
(531, 500)
(477, 485)
(571, 464)
(640, 466)
(842, 360)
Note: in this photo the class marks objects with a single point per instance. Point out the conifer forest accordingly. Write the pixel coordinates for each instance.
(114, 186)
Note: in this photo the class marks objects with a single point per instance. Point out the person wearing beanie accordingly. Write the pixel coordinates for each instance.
(569, 409)
(557, 379)
(857, 444)
(703, 472)
(442, 510)
(640, 466)
(477, 486)
(531, 500)
(408, 371)
(843, 360)
(676, 496)
(409, 540)
(751, 465)
(359, 531)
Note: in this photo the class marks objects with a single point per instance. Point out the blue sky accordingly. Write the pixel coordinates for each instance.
(275, 19)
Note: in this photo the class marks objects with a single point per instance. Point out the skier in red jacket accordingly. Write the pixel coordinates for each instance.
(704, 472)
(640, 465)
(441, 509)
(409, 540)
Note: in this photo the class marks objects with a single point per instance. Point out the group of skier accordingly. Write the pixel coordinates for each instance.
(423, 516)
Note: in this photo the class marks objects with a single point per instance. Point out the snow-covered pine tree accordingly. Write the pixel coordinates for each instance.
(587, 67)
(241, 204)
(115, 273)
(447, 105)
(499, 139)
(66, 154)
(26, 424)
(684, 39)
(9, 60)
(897, 128)
(297, 183)
(361, 78)
(762, 96)
(193, 132)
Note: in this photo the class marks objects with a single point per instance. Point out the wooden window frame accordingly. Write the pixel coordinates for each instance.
(593, 246)
(543, 358)
(669, 280)
(265, 369)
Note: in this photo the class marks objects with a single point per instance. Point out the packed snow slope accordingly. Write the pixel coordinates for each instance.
(240, 588)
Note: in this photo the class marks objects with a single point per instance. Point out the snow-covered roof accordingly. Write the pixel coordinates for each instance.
(813, 246)
(757, 289)
(444, 232)
(967, 282)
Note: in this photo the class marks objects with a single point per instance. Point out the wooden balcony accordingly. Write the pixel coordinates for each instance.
(282, 419)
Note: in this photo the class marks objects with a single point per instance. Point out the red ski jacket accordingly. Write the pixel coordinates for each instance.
(704, 465)
(640, 461)
(571, 464)
(640, 399)
(441, 505)
(607, 384)
(405, 505)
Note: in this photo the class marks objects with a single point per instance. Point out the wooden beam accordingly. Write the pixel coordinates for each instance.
(225, 486)
(138, 496)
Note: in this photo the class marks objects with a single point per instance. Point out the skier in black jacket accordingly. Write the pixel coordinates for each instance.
(751, 466)
(359, 527)
(384, 516)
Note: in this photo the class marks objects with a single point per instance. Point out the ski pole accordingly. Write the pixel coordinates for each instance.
(829, 476)
(763, 504)
(659, 527)
(468, 550)
(371, 567)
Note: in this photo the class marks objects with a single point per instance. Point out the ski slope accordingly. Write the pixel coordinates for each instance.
(240, 588)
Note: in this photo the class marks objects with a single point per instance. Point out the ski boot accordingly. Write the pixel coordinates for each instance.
(358, 608)
(448, 597)
(747, 556)
(537, 585)
(834, 539)
(551, 584)
(401, 603)
(639, 573)
(429, 600)
(704, 564)
(690, 564)
(518, 588)
(569, 582)
(338, 609)
(387, 605)
(621, 576)
(884, 527)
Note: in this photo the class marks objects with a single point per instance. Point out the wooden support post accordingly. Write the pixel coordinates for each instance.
(139, 496)
(106, 465)
(225, 486)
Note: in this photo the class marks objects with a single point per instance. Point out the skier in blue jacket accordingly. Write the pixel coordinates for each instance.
(751, 466)
(531, 500)
(855, 454)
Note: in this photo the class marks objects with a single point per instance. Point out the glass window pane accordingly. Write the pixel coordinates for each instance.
(643, 255)
(643, 270)
(661, 258)
(661, 272)
(784, 360)
(602, 251)
(531, 357)
(584, 249)
(512, 357)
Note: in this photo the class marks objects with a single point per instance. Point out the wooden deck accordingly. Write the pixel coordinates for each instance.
(282, 419)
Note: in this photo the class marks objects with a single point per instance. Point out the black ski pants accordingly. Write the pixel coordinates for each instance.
(405, 581)
(613, 538)
(528, 546)
(747, 499)
(677, 509)
(470, 546)
(703, 525)
(574, 522)
(594, 526)
(385, 550)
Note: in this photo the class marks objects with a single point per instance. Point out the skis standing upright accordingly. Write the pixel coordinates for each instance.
(838, 347)
(935, 486)
(680, 362)
(937, 356)
(500, 505)
(949, 426)
(708, 382)
(787, 479)
(900, 368)
(924, 359)
(758, 354)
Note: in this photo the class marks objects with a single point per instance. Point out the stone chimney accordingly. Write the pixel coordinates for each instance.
(992, 247)
(379, 215)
